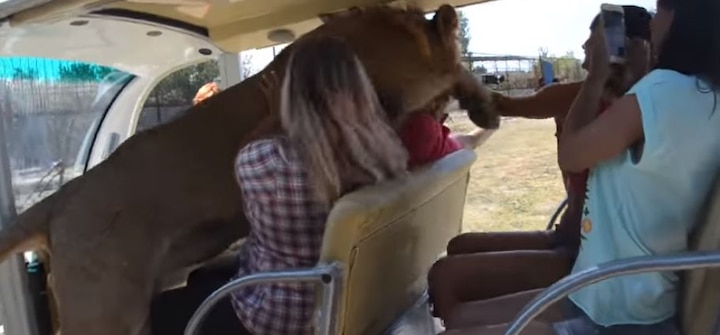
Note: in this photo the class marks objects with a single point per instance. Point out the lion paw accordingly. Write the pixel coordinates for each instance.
(484, 118)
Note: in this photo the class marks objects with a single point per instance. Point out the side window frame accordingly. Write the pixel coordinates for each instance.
(172, 95)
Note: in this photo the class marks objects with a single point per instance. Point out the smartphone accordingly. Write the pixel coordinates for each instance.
(614, 18)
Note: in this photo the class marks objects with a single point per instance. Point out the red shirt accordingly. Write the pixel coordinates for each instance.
(426, 139)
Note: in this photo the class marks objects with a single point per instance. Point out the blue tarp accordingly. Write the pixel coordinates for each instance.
(548, 72)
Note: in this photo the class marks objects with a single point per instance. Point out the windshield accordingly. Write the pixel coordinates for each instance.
(51, 110)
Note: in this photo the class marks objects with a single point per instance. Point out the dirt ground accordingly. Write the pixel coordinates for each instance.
(515, 183)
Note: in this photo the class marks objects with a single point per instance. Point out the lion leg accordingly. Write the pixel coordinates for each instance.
(414, 94)
(212, 239)
(100, 309)
(101, 300)
(476, 100)
(52, 303)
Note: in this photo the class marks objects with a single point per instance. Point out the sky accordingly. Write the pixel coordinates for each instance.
(522, 27)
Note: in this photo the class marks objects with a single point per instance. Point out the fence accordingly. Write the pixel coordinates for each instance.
(50, 108)
(45, 121)
(520, 75)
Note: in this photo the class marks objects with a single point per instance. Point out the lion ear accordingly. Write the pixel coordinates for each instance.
(446, 20)
(327, 17)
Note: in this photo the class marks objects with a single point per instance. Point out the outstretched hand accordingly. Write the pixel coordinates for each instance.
(270, 86)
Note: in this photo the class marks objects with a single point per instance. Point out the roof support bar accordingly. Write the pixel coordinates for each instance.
(230, 70)
(16, 314)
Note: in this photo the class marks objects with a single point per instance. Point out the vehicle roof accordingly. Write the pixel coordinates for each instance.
(231, 25)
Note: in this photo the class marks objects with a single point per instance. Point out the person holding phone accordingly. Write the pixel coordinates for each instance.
(485, 265)
(653, 155)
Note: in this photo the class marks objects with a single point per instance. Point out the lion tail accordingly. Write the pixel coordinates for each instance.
(29, 230)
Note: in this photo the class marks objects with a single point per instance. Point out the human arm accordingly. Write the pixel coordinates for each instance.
(474, 138)
(587, 140)
(551, 101)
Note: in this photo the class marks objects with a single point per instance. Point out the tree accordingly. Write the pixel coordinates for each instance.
(568, 67)
(179, 88)
(565, 67)
(464, 34)
(80, 72)
(543, 52)
(246, 68)
(27, 73)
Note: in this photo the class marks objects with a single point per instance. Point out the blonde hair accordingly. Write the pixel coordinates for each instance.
(334, 121)
(205, 92)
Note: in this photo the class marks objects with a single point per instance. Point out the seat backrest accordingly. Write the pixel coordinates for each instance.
(388, 235)
(700, 294)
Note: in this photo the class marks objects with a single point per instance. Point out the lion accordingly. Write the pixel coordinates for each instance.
(167, 199)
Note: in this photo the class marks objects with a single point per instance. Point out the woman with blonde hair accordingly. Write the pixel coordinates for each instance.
(335, 139)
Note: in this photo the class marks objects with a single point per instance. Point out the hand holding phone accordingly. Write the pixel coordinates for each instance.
(614, 25)
(597, 52)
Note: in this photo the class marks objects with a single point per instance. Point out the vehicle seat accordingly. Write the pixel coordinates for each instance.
(700, 295)
(387, 236)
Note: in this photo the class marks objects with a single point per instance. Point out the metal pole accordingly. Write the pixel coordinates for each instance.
(331, 285)
(322, 275)
(643, 264)
(18, 318)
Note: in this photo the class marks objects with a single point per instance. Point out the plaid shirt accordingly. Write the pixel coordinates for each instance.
(286, 232)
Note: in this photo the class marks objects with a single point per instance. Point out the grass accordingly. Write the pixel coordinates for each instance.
(515, 183)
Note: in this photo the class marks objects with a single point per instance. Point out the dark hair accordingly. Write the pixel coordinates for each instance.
(637, 22)
(692, 44)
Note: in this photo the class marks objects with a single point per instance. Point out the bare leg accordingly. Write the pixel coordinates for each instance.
(502, 310)
(501, 241)
(463, 278)
(534, 328)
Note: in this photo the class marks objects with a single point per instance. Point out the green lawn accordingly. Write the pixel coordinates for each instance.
(515, 183)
